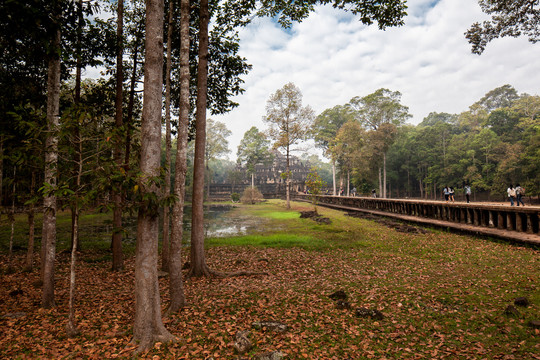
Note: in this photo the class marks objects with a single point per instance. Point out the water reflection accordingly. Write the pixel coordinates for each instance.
(219, 221)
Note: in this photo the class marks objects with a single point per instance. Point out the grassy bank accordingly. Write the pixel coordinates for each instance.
(443, 296)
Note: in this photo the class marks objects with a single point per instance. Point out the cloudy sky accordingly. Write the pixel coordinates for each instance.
(332, 57)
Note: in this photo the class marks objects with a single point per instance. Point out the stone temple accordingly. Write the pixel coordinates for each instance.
(267, 178)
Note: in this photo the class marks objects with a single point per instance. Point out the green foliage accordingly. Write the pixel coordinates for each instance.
(254, 149)
(381, 107)
(515, 19)
(289, 122)
(235, 197)
(314, 185)
(494, 143)
(327, 125)
(324, 168)
(216, 139)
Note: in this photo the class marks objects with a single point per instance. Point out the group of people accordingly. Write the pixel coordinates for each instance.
(515, 194)
(449, 192)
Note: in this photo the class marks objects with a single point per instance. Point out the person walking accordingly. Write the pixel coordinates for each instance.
(519, 195)
(468, 193)
(446, 192)
(451, 194)
(511, 194)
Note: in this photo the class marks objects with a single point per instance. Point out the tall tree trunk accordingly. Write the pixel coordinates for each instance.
(198, 260)
(178, 299)
(288, 180)
(148, 325)
(31, 227)
(384, 175)
(118, 257)
(380, 182)
(76, 208)
(334, 175)
(348, 182)
(72, 325)
(253, 180)
(48, 242)
(131, 103)
(78, 77)
(165, 246)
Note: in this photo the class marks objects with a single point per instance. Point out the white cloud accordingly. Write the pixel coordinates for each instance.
(332, 57)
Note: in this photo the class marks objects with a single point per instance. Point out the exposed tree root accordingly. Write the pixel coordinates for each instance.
(149, 340)
(72, 330)
(174, 308)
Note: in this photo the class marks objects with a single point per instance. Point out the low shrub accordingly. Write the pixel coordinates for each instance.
(251, 196)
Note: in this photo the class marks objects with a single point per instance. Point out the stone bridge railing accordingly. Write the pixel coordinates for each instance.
(523, 219)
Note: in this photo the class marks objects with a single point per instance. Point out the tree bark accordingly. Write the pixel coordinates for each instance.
(348, 182)
(50, 177)
(384, 175)
(288, 179)
(148, 325)
(198, 261)
(380, 182)
(165, 246)
(118, 257)
(178, 299)
(131, 103)
(334, 176)
(72, 326)
(77, 99)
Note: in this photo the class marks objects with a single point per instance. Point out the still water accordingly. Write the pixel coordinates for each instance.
(219, 221)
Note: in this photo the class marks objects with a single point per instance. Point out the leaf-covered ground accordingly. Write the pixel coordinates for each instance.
(443, 296)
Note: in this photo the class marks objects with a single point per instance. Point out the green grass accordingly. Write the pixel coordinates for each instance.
(280, 215)
(95, 232)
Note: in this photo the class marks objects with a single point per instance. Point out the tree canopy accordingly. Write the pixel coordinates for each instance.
(508, 18)
(254, 149)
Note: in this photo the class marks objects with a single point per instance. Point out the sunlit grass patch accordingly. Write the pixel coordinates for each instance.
(281, 215)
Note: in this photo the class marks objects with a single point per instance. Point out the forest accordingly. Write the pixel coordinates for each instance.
(493, 144)
(135, 141)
